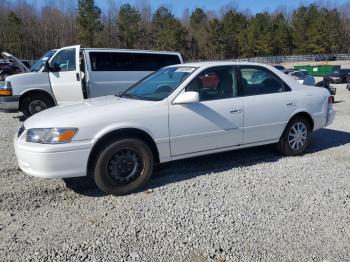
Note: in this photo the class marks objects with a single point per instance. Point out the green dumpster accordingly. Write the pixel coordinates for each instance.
(318, 70)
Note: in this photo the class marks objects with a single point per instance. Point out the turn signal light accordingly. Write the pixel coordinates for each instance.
(6, 92)
(330, 100)
(66, 135)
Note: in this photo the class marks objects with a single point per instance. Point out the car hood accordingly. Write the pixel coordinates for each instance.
(13, 59)
(95, 111)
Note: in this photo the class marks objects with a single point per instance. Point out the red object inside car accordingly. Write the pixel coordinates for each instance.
(210, 81)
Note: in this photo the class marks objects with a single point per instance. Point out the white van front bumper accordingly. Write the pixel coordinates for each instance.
(9, 103)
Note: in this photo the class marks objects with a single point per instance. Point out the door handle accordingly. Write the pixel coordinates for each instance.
(78, 77)
(291, 104)
(236, 111)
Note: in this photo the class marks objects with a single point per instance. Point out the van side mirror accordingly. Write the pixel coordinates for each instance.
(189, 97)
(52, 68)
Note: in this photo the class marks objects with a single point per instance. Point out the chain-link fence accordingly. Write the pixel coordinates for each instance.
(293, 58)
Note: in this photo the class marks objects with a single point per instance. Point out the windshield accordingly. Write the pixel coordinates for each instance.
(159, 85)
(40, 62)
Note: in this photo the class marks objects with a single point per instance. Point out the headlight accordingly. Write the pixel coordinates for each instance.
(51, 135)
(6, 90)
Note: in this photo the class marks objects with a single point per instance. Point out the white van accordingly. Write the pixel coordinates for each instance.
(74, 73)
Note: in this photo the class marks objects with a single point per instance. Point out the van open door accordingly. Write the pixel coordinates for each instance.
(64, 75)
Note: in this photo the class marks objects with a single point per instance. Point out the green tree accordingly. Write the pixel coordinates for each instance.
(216, 43)
(282, 40)
(89, 21)
(199, 30)
(260, 35)
(168, 33)
(234, 25)
(130, 29)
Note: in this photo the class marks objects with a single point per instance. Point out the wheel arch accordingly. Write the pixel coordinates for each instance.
(122, 133)
(305, 115)
(34, 91)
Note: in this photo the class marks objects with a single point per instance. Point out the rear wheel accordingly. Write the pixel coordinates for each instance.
(296, 137)
(35, 103)
(123, 167)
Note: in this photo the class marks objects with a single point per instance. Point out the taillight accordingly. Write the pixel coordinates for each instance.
(330, 100)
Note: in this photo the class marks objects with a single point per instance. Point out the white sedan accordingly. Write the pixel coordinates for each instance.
(177, 112)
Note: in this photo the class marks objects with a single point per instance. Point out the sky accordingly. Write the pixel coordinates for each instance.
(178, 6)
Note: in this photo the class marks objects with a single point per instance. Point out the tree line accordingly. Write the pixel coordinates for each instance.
(28, 32)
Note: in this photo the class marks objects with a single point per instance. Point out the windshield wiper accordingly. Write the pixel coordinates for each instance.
(128, 95)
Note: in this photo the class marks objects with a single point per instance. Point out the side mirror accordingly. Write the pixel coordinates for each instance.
(189, 97)
(52, 68)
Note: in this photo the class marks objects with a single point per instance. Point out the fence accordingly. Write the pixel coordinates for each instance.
(289, 58)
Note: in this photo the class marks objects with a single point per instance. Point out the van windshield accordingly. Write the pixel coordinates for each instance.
(160, 84)
(40, 62)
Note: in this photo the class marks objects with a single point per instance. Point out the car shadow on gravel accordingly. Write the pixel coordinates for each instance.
(179, 170)
(20, 118)
(325, 138)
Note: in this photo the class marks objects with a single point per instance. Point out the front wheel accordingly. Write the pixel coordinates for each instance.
(35, 103)
(296, 137)
(123, 167)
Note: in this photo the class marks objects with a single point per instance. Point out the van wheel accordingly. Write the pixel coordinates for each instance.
(35, 103)
(123, 167)
(296, 137)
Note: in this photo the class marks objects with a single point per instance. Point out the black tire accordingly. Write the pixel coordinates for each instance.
(27, 107)
(286, 141)
(115, 177)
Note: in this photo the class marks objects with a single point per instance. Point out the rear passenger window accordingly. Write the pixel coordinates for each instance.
(258, 81)
(153, 62)
(111, 61)
(123, 61)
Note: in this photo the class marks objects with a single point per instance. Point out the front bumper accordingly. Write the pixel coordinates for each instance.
(52, 161)
(9, 103)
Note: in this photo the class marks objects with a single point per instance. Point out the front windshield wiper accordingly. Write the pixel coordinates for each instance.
(128, 95)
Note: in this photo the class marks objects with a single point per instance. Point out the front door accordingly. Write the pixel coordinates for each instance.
(216, 121)
(66, 80)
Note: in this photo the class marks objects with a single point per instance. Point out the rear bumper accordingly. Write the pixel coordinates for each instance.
(330, 117)
(9, 103)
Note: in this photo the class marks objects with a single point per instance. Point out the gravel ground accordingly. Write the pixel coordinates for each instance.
(244, 205)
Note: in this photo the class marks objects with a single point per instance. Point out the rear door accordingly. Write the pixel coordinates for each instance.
(66, 83)
(268, 104)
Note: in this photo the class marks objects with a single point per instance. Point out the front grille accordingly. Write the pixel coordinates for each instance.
(21, 130)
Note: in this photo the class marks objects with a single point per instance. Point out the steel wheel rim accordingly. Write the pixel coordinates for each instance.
(297, 136)
(124, 166)
(36, 106)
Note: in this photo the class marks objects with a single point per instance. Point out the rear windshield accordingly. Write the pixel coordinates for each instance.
(114, 61)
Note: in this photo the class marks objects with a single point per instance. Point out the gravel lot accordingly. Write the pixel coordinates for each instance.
(244, 205)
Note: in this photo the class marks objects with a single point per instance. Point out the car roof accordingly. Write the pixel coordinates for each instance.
(220, 63)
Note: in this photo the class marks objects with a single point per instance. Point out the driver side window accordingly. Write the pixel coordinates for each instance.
(215, 83)
(65, 60)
